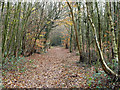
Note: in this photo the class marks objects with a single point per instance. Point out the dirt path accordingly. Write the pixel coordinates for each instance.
(55, 69)
(50, 68)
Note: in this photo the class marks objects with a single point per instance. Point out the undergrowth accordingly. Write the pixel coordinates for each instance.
(13, 64)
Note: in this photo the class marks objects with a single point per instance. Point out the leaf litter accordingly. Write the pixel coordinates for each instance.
(55, 69)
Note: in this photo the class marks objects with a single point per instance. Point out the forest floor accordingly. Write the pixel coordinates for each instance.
(55, 69)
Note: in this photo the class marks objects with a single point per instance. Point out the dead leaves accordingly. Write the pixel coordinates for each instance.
(55, 69)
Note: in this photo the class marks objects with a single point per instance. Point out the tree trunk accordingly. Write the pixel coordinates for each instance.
(99, 24)
(71, 39)
(2, 9)
(79, 25)
(119, 40)
(119, 50)
(102, 61)
(5, 29)
(75, 28)
(114, 45)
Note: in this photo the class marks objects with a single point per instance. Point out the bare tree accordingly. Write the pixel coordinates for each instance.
(104, 65)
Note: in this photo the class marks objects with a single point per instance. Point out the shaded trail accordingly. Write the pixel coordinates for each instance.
(55, 69)
(50, 67)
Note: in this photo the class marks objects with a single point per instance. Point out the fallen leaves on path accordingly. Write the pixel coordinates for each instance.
(55, 69)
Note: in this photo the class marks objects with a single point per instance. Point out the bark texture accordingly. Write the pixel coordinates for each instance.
(102, 61)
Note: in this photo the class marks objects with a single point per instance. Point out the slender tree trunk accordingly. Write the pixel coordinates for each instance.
(84, 31)
(79, 27)
(107, 34)
(24, 23)
(113, 34)
(71, 39)
(115, 19)
(104, 65)
(99, 24)
(17, 18)
(4, 33)
(99, 30)
(88, 41)
(75, 28)
(119, 40)
(2, 27)
(119, 51)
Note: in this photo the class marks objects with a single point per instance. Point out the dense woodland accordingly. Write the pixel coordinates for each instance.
(89, 31)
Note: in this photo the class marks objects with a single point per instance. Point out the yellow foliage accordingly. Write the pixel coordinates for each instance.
(21, 17)
(41, 35)
(40, 46)
(48, 22)
(33, 9)
(75, 5)
(69, 22)
(65, 22)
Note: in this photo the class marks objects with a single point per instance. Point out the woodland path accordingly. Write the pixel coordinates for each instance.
(55, 69)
